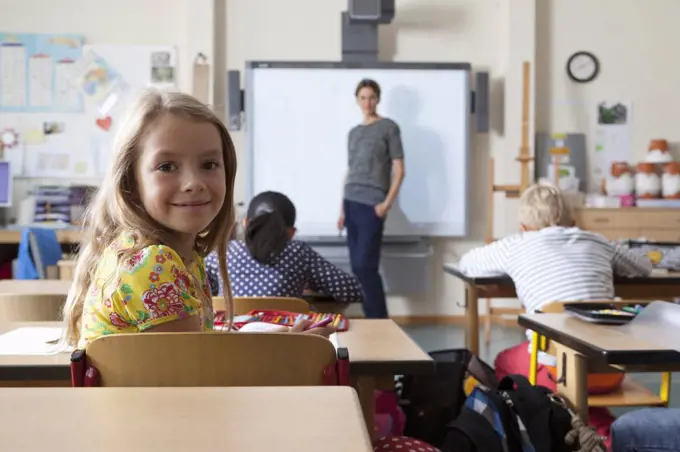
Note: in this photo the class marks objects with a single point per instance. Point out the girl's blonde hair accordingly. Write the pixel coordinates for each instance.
(542, 206)
(114, 209)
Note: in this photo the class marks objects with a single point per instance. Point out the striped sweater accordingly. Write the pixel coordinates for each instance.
(556, 264)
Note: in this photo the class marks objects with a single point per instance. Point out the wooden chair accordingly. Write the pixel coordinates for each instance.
(28, 307)
(243, 305)
(631, 393)
(211, 359)
(66, 269)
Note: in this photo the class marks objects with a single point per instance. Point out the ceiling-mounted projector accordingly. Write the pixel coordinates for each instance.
(377, 11)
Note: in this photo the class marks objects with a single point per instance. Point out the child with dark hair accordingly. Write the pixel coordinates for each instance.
(269, 263)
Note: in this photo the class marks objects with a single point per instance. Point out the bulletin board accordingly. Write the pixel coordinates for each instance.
(72, 140)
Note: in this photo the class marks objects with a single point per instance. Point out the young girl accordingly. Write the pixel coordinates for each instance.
(166, 201)
(270, 264)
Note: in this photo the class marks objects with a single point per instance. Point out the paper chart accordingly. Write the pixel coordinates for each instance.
(35, 73)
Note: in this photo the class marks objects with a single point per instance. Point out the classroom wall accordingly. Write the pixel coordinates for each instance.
(635, 44)
(185, 24)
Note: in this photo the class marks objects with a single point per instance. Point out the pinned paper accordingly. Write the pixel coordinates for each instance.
(104, 123)
(52, 127)
(80, 167)
(34, 136)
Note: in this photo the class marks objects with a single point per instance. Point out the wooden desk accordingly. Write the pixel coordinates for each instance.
(378, 350)
(37, 286)
(610, 345)
(583, 345)
(656, 287)
(65, 236)
(253, 419)
(379, 347)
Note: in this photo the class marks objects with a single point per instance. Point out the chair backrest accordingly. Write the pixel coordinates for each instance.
(211, 359)
(66, 269)
(28, 307)
(243, 305)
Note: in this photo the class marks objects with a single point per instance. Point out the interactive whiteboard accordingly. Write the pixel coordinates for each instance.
(298, 116)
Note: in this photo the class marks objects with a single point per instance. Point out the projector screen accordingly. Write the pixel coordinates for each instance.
(298, 117)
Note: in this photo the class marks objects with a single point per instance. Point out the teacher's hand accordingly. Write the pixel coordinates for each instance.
(381, 209)
(341, 221)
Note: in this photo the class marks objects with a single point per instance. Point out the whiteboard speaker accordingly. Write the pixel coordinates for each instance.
(481, 102)
(234, 100)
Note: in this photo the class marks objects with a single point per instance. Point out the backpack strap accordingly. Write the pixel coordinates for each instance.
(534, 407)
(506, 415)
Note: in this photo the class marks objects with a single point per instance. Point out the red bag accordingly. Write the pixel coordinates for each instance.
(389, 418)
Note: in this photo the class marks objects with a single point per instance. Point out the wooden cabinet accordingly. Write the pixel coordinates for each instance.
(659, 225)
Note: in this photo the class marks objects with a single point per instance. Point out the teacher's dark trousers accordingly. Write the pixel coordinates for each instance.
(364, 238)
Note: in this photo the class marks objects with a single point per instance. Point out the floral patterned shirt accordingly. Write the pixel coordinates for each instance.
(148, 289)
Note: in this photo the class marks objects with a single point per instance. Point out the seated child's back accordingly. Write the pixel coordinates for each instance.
(551, 260)
(556, 263)
(269, 263)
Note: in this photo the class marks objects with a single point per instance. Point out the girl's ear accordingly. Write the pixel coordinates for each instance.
(291, 233)
(244, 223)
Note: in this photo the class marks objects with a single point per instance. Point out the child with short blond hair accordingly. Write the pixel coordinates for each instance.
(553, 260)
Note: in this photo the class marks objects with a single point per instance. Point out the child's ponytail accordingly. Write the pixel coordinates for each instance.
(270, 221)
(266, 236)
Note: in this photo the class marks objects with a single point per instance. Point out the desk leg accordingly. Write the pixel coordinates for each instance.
(472, 319)
(572, 374)
(365, 387)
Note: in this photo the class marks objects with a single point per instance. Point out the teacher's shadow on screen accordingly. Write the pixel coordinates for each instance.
(424, 162)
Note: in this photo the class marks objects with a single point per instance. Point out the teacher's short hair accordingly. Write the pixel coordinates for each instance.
(368, 83)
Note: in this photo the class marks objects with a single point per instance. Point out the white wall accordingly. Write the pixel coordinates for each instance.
(637, 49)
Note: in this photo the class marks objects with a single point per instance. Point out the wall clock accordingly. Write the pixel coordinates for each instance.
(583, 67)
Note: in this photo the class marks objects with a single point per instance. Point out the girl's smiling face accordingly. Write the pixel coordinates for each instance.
(180, 176)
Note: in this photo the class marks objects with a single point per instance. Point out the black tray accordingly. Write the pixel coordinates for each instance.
(591, 312)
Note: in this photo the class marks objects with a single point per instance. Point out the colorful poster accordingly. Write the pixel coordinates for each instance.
(35, 75)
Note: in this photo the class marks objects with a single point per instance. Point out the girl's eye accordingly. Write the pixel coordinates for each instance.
(210, 165)
(167, 167)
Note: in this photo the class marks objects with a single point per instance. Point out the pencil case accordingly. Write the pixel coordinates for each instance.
(284, 318)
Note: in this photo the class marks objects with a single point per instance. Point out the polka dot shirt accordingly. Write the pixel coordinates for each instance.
(296, 268)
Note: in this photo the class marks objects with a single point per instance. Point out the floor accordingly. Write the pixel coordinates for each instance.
(440, 337)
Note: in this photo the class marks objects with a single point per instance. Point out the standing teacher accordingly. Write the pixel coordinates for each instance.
(374, 176)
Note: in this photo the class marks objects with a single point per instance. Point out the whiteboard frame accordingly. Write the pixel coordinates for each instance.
(252, 66)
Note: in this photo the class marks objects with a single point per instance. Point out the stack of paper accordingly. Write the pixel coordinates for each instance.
(31, 341)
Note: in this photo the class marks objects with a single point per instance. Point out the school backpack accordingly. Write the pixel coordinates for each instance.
(515, 417)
